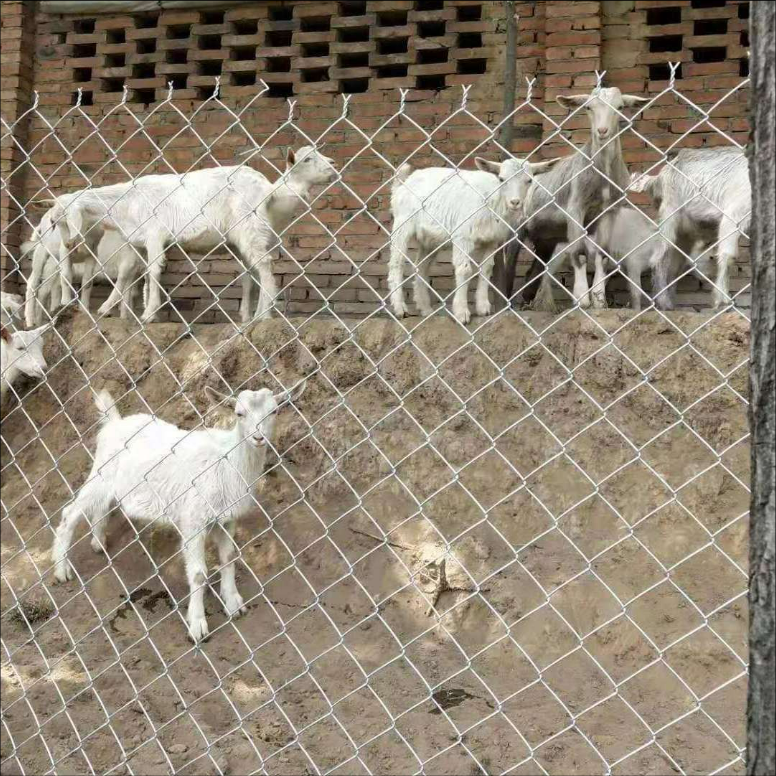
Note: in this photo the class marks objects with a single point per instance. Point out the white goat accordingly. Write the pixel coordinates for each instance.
(474, 210)
(194, 480)
(200, 211)
(702, 193)
(21, 353)
(630, 242)
(572, 195)
(47, 248)
(113, 260)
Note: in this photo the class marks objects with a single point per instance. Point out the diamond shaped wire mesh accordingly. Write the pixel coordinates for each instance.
(513, 546)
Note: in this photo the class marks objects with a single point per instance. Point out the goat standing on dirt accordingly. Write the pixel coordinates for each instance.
(566, 200)
(631, 243)
(702, 193)
(112, 259)
(194, 480)
(200, 211)
(474, 210)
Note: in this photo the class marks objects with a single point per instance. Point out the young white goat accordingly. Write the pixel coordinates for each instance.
(474, 210)
(630, 242)
(702, 193)
(200, 211)
(21, 353)
(564, 201)
(113, 260)
(195, 480)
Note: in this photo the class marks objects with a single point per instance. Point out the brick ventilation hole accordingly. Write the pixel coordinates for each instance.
(709, 37)
(294, 47)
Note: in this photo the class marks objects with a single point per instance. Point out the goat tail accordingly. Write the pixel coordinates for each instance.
(402, 174)
(106, 407)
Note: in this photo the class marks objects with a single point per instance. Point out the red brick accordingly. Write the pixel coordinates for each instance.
(556, 9)
(710, 68)
(585, 52)
(573, 38)
(168, 18)
(572, 66)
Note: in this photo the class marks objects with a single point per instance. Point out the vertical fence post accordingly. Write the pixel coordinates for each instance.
(760, 712)
(507, 132)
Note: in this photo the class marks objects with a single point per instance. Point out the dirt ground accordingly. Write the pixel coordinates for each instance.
(573, 489)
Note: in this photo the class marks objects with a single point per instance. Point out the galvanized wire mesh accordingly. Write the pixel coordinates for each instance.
(512, 546)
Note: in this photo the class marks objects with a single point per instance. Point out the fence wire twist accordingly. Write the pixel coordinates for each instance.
(463, 565)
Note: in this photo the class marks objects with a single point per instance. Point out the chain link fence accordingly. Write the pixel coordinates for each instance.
(510, 544)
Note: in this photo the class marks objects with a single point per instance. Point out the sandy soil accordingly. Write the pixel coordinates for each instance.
(583, 481)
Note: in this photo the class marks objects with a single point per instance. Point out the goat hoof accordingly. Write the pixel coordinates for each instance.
(234, 606)
(400, 312)
(198, 630)
(426, 312)
(599, 302)
(96, 546)
(483, 310)
(63, 572)
(463, 316)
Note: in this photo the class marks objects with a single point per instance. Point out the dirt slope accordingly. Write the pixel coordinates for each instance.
(561, 467)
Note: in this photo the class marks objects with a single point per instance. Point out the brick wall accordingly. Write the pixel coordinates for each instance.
(16, 84)
(315, 51)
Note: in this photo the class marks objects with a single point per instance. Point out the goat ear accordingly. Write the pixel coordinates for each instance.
(292, 395)
(487, 166)
(290, 158)
(296, 392)
(539, 167)
(631, 101)
(5, 335)
(216, 397)
(571, 101)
